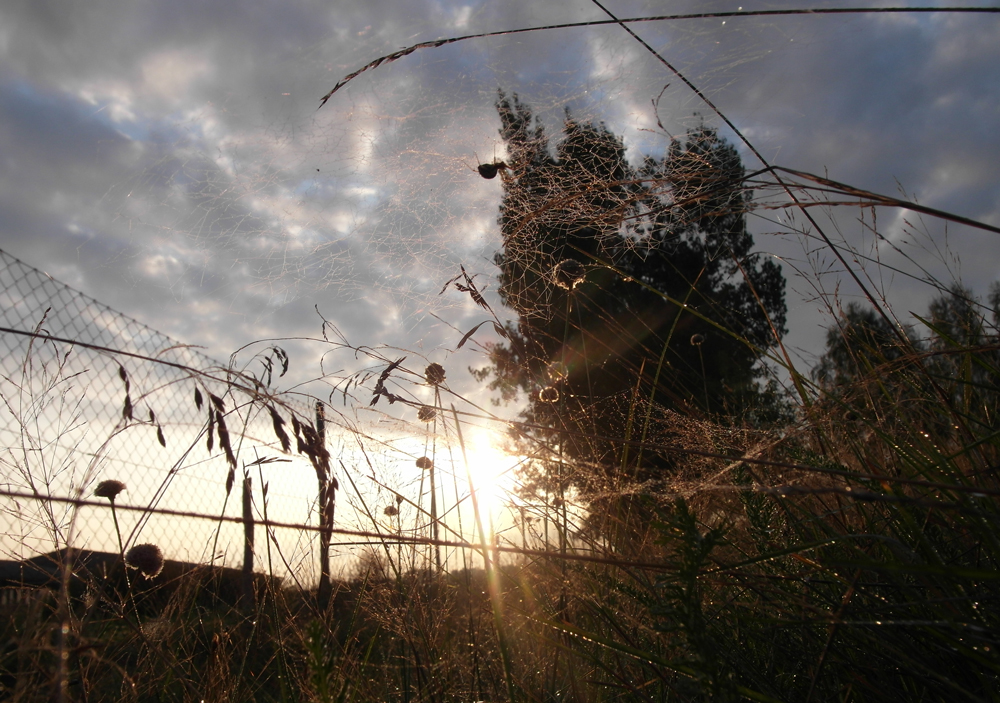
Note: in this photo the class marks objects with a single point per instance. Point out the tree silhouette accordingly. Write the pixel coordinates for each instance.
(966, 337)
(861, 343)
(896, 381)
(634, 287)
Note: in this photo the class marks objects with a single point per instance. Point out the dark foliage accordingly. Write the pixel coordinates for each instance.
(888, 376)
(631, 284)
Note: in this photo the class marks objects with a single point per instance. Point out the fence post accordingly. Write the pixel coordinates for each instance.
(248, 529)
(325, 506)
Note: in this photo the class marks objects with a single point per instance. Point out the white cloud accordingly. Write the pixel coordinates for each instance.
(460, 16)
(172, 75)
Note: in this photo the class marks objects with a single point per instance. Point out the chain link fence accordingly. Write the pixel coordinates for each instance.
(90, 394)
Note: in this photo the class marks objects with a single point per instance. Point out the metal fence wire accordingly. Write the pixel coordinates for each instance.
(90, 394)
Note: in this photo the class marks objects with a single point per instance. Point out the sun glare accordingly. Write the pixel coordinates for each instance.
(493, 476)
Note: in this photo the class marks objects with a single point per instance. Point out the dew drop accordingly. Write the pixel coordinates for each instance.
(548, 395)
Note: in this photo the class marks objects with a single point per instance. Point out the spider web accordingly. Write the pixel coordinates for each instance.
(368, 206)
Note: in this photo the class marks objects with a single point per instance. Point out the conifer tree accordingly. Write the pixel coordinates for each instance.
(631, 285)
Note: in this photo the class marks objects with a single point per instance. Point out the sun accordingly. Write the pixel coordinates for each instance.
(474, 472)
(492, 474)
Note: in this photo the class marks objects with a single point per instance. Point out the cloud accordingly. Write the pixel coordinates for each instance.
(169, 158)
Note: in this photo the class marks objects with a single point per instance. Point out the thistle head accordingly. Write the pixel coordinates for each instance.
(109, 489)
(146, 558)
(434, 373)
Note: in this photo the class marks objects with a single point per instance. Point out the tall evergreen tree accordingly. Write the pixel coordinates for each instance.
(861, 344)
(949, 377)
(631, 285)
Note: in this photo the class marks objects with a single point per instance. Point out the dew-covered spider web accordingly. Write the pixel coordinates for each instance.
(405, 223)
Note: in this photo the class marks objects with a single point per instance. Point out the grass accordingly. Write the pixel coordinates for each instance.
(849, 553)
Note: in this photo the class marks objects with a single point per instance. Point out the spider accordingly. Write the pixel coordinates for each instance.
(490, 171)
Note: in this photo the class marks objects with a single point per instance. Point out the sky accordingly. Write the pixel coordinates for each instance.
(170, 158)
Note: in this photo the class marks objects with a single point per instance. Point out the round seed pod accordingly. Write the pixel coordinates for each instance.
(391, 510)
(697, 340)
(425, 462)
(109, 489)
(147, 558)
(434, 374)
(426, 413)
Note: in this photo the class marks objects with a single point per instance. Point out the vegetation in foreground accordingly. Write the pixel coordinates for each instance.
(842, 546)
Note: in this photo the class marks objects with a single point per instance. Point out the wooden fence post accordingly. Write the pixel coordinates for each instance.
(249, 599)
(326, 506)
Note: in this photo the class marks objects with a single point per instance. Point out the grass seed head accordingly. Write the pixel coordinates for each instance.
(425, 462)
(426, 413)
(697, 340)
(391, 510)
